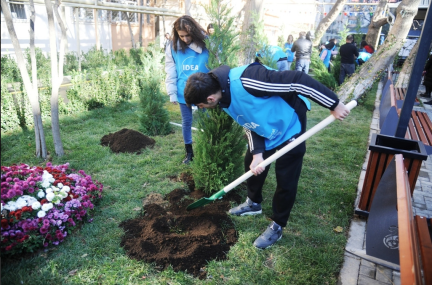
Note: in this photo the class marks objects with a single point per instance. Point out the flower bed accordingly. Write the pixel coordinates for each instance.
(40, 206)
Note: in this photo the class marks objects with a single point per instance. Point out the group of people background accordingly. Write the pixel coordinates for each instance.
(272, 119)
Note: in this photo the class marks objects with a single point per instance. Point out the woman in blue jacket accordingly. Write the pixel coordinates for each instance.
(185, 55)
(287, 47)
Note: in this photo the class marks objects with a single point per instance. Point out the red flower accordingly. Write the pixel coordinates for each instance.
(44, 201)
(18, 215)
(9, 247)
(4, 223)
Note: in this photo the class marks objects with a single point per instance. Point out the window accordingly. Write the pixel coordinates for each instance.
(17, 11)
(117, 16)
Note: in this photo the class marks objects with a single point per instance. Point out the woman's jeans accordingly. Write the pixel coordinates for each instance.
(186, 113)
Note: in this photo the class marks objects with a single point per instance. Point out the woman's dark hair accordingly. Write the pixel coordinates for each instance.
(363, 44)
(210, 26)
(199, 86)
(193, 28)
(290, 41)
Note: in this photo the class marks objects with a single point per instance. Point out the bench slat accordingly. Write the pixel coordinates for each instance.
(411, 131)
(418, 127)
(425, 247)
(408, 243)
(426, 127)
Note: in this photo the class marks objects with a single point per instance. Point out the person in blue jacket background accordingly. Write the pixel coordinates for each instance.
(365, 53)
(327, 51)
(287, 46)
(277, 54)
(185, 55)
(271, 106)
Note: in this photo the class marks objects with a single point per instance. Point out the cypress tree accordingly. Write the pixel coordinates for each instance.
(153, 117)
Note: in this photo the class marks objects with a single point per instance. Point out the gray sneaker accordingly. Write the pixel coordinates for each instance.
(271, 235)
(246, 208)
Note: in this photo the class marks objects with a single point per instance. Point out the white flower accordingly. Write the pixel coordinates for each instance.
(63, 194)
(10, 206)
(60, 185)
(66, 188)
(55, 189)
(21, 202)
(49, 190)
(36, 205)
(30, 200)
(1, 207)
(46, 207)
(41, 214)
(41, 194)
(50, 196)
(45, 184)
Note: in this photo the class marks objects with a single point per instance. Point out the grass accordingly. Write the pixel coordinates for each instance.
(310, 252)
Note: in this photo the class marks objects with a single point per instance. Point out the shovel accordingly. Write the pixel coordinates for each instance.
(321, 125)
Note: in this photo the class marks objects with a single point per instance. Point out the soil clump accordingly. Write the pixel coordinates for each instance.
(168, 234)
(127, 140)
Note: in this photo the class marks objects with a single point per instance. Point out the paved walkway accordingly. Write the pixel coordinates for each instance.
(357, 268)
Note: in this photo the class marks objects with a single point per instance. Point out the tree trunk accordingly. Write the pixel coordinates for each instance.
(77, 35)
(31, 92)
(95, 17)
(405, 73)
(379, 19)
(380, 60)
(130, 30)
(140, 39)
(328, 20)
(55, 73)
(253, 11)
(188, 5)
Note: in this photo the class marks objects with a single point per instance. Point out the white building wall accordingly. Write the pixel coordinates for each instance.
(87, 32)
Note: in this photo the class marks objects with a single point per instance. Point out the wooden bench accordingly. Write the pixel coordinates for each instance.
(415, 245)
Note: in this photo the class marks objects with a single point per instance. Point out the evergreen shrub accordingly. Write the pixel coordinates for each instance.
(218, 151)
(153, 117)
(320, 71)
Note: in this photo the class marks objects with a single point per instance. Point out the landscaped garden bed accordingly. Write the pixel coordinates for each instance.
(41, 206)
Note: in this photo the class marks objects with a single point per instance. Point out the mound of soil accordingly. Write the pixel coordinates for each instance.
(168, 234)
(127, 140)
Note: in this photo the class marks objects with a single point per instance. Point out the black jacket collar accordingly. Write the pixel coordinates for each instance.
(221, 74)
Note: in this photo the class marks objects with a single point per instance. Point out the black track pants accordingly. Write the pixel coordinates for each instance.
(288, 169)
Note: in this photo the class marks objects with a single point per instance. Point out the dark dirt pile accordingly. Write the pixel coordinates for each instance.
(168, 234)
(127, 140)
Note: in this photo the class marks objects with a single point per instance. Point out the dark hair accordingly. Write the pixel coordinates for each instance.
(363, 44)
(210, 26)
(349, 38)
(290, 41)
(199, 86)
(188, 24)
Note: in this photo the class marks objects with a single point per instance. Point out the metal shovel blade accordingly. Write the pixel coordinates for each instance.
(321, 125)
(204, 201)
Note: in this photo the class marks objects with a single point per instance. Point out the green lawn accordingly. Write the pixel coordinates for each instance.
(310, 252)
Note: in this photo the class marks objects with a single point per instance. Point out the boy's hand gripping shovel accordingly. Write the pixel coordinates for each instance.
(321, 125)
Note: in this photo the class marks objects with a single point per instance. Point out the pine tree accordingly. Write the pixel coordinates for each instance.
(153, 117)
(220, 146)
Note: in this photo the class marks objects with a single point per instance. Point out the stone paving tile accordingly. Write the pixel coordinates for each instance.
(350, 270)
(364, 280)
(367, 271)
(383, 274)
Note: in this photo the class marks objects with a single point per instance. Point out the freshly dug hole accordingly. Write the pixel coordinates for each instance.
(186, 240)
